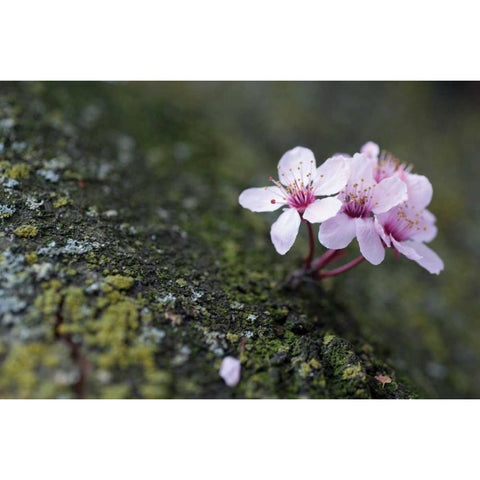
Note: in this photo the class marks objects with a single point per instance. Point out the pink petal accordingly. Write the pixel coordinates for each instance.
(388, 193)
(337, 232)
(331, 176)
(371, 150)
(404, 249)
(369, 241)
(429, 259)
(260, 199)
(285, 230)
(428, 230)
(321, 210)
(297, 165)
(230, 371)
(420, 190)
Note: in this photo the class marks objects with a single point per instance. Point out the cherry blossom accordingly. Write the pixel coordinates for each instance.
(403, 227)
(379, 201)
(300, 183)
(362, 198)
(406, 227)
(386, 165)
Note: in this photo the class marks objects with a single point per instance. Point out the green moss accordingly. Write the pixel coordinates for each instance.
(328, 338)
(158, 385)
(232, 337)
(6, 211)
(47, 303)
(115, 332)
(117, 391)
(120, 282)
(315, 364)
(306, 369)
(61, 202)
(75, 313)
(345, 374)
(21, 372)
(26, 231)
(4, 166)
(353, 371)
(19, 171)
(31, 257)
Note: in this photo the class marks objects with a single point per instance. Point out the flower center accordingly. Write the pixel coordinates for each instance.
(387, 166)
(296, 195)
(301, 199)
(401, 226)
(357, 200)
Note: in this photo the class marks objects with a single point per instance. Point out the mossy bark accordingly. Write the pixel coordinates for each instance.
(128, 270)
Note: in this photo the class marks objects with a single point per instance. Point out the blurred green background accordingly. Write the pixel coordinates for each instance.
(228, 136)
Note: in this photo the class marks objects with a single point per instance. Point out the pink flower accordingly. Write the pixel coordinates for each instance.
(406, 227)
(301, 182)
(230, 371)
(361, 198)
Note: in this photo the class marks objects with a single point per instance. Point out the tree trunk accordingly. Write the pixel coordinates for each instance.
(128, 270)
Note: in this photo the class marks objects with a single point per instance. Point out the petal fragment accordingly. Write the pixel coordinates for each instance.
(230, 371)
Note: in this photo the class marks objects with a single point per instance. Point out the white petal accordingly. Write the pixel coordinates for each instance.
(428, 230)
(429, 259)
(361, 167)
(388, 193)
(331, 176)
(361, 173)
(297, 165)
(420, 190)
(260, 199)
(337, 232)
(404, 249)
(342, 154)
(371, 150)
(369, 241)
(321, 210)
(285, 230)
(230, 371)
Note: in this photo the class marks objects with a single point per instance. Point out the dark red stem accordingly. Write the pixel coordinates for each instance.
(328, 257)
(309, 258)
(342, 269)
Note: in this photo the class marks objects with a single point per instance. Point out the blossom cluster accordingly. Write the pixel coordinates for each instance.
(369, 196)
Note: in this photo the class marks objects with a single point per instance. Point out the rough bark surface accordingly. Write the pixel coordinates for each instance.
(131, 273)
